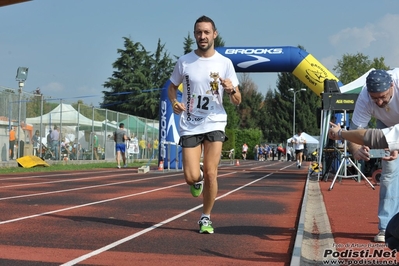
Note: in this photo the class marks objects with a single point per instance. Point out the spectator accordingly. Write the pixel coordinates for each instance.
(12, 139)
(120, 138)
(95, 146)
(280, 150)
(379, 99)
(273, 152)
(142, 145)
(36, 142)
(55, 142)
(256, 148)
(155, 145)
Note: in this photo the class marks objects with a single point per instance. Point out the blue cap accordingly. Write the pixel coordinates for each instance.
(378, 81)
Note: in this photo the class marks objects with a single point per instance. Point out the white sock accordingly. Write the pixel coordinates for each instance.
(205, 216)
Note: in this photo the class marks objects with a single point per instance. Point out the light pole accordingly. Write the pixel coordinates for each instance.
(22, 74)
(295, 92)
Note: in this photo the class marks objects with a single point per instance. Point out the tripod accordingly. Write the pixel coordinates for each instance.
(344, 163)
(331, 155)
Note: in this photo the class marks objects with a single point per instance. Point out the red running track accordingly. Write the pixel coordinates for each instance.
(120, 217)
(352, 210)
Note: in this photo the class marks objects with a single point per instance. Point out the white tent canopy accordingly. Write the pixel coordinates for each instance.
(309, 139)
(66, 114)
(357, 85)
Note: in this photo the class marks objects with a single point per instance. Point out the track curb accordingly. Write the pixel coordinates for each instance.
(314, 233)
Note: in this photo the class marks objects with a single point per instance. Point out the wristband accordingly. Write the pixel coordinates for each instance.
(175, 102)
(340, 134)
(233, 91)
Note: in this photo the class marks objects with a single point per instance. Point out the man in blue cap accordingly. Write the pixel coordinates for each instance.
(379, 98)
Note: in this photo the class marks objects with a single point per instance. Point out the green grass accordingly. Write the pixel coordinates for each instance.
(68, 167)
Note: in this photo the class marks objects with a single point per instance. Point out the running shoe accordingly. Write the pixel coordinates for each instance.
(125, 165)
(119, 167)
(380, 237)
(205, 226)
(197, 188)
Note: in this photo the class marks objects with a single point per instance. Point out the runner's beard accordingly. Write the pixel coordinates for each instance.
(383, 105)
(204, 48)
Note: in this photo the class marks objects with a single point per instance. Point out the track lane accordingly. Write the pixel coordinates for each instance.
(97, 225)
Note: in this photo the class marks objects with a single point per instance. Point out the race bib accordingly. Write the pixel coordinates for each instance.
(202, 105)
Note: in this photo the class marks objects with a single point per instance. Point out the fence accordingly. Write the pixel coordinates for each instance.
(86, 132)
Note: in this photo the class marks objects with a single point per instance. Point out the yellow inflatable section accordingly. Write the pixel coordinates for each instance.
(313, 73)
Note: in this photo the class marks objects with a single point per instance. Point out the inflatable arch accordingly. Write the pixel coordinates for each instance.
(245, 59)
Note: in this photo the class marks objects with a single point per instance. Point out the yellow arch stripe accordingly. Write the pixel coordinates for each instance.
(313, 73)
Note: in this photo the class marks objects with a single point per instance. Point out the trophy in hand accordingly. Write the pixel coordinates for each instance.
(215, 83)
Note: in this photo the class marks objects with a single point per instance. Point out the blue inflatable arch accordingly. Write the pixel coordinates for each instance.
(245, 59)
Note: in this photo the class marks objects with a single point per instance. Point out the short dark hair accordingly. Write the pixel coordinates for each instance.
(121, 125)
(205, 19)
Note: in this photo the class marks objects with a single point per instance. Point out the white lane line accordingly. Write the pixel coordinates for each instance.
(95, 202)
(286, 167)
(65, 174)
(67, 180)
(87, 204)
(83, 188)
(264, 166)
(128, 238)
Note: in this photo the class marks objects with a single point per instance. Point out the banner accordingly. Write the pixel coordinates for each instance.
(169, 150)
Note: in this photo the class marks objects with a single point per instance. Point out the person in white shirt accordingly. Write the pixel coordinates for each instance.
(379, 98)
(206, 75)
(299, 142)
(244, 151)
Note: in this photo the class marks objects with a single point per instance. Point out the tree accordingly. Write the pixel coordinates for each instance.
(219, 41)
(161, 69)
(34, 103)
(251, 107)
(134, 85)
(351, 67)
(188, 42)
(306, 108)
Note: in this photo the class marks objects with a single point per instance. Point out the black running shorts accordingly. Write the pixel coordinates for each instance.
(192, 141)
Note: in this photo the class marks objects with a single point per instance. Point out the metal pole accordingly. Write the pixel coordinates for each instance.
(9, 128)
(293, 122)
(21, 84)
(41, 124)
(78, 146)
(106, 134)
(60, 134)
(92, 133)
